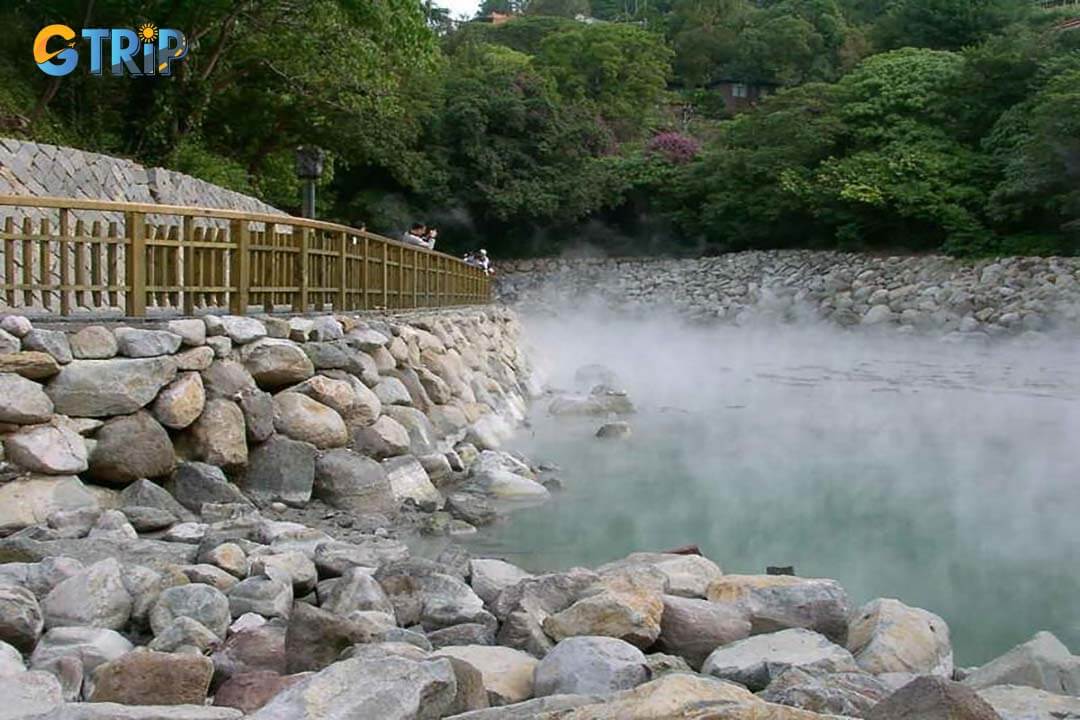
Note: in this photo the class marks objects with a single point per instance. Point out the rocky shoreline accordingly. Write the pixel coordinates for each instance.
(927, 294)
(213, 519)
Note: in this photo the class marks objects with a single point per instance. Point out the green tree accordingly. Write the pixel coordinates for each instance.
(621, 69)
(558, 8)
(944, 24)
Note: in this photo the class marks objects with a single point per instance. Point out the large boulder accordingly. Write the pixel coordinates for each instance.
(392, 391)
(226, 379)
(346, 395)
(489, 577)
(180, 402)
(422, 438)
(25, 402)
(756, 661)
(1019, 702)
(590, 666)
(269, 597)
(276, 363)
(387, 687)
(250, 691)
(384, 438)
(139, 343)
(887, 636)
(218, 436)
(95, 597)
(627, 608)
(281, 469)
(47, 449)
(778, 602)
(31, 500)
(432, 599)
(302, 418)
(196, 483)
(101, 388)
(933, 698)
(687, 575)
(146, 494)
(90, 646)
(507, 673)
(692, 628)
(1042, 662)
(53, 342)
(252, 649)
(93, 343)
(523, 607)
(145, 677)
(131, 447)
(349, 481)
(29, 364)
(205, 604)
(410, 482)
(240, 329)
(334, 559)
(21, 622)
(316, 637)
(258, 409)
(29, 694)
(847, 694)
(356, 591)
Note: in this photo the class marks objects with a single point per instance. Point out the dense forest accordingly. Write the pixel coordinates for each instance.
(901, 125)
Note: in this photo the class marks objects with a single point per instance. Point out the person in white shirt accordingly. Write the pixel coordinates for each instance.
(415, 235)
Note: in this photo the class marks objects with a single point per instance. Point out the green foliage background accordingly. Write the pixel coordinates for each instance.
(906, 125)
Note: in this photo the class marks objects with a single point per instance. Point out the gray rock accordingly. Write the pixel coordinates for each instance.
(293, 567)
(524, 607)
(281, 469)
(17, 325)
(116, 711)
(614, 431)
(1018, 702)
(366, 339)
(184, 632)
(590, 666)
(9, 343)
(11, 662)
(258, 409)
(471, 507)
(777, 602)
(143, 493)
(1042, 662)
(40, 577)
(846, 694)
(388, 688)
(687, 575)
(334, 559)
(431, 599)
(114, 525)
(357, 590)
(138, 343)
(194, 359)
(252, 649)
(90, 646)
(93, 343)
(131, 447)
(221, 346)
(95, 597)
(933, 698)
(692, 628)
(392, 391)
(422, 438)
(21, 622)
(409, 482)
(53, 342)
(276, 363)
(241, 330)
(148, 553)
(756, 661)
(262, 595)
(887, 636)
(194, 483)
(202, 603)
(464, 634)
(315, 638)
(25, 402)
(192, 331)
(148, 519)
(384, 438)
(530, 709)
(348, 481)
(29, 694)
(48, 449)
(490, 577)
(226, 379)
(101, 388)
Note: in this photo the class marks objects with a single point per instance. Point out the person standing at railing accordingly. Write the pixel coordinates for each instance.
(415, 235)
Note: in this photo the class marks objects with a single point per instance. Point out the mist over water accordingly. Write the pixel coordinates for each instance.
(943, 475)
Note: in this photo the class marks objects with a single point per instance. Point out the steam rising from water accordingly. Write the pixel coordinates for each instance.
(939, 474)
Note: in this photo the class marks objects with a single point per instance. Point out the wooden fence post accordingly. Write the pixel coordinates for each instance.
(135, 263)
(65, 272)
(301, 231)
(187, 238)
(240, 235)
(367, 289)
(343, 275)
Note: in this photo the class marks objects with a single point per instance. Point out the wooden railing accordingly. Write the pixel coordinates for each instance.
(61, 255)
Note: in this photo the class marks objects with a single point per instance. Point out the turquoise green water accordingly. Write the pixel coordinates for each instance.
(944, 476)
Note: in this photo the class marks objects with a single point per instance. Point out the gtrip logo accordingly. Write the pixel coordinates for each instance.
(145, 51)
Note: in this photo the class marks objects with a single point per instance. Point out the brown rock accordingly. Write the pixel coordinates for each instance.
(248, 692)
(933, 698)
(30, 364)
(153, 678)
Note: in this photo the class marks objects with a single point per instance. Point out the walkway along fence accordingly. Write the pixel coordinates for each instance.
(61, 255)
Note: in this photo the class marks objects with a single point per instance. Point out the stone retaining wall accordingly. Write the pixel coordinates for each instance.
(929, 294)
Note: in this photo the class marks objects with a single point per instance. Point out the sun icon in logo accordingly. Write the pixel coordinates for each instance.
(148, 32)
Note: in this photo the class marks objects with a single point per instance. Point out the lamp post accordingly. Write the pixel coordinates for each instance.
(309, 168)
